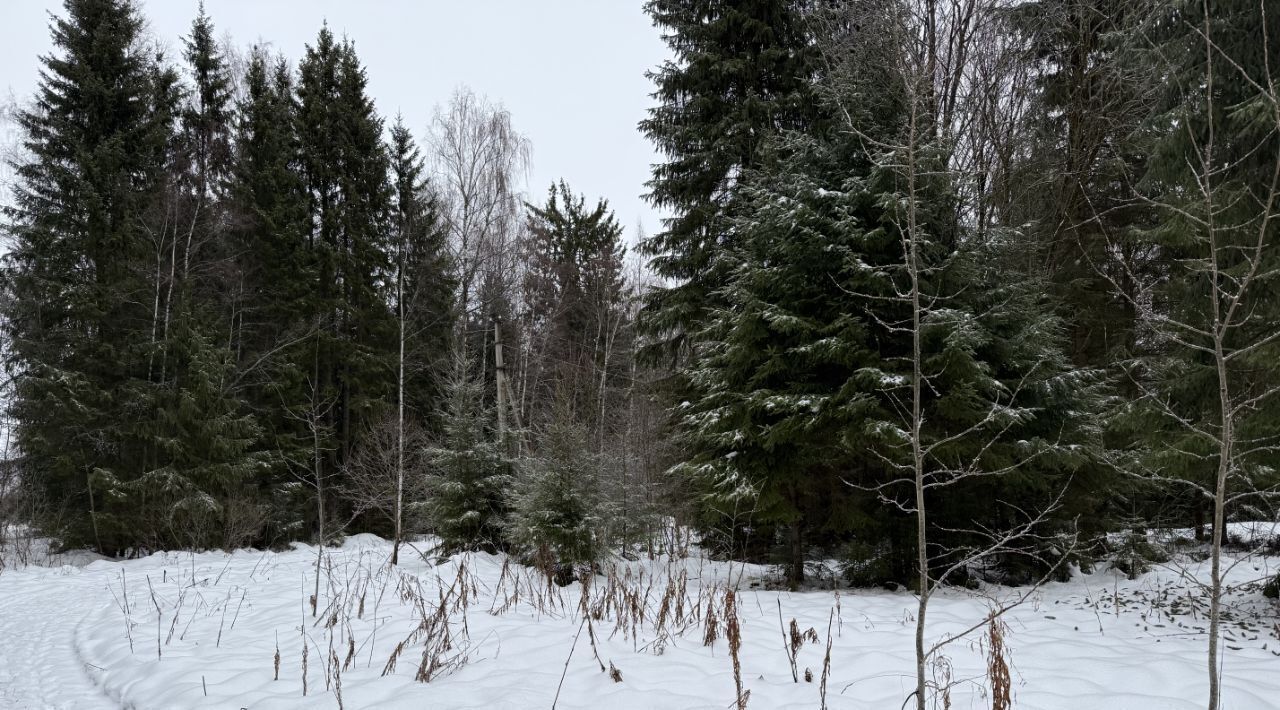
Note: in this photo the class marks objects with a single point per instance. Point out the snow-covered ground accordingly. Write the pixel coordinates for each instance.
(215, 630)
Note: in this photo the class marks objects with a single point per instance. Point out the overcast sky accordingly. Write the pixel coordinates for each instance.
(571, 72)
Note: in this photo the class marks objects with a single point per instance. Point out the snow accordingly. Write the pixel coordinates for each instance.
(1099, 640)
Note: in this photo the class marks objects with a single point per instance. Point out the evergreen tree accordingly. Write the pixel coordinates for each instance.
(345, 170)
(205, 492)
(470, 471)
(203, 456)
(1085, 118)
(741, 72)
(573, 295)
(559, 516)
(97, 136)
(272, 324)
(424, 300)
(1210, 175)
(797, 416)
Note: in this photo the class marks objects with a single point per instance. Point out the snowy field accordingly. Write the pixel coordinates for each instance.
(216, 630)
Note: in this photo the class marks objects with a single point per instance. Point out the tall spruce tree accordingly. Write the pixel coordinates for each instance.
(741, 72)
(573, 295)
(97, 135)
(424, 298)
(198, 488)
(271, 322)
(345, 170)
(1209, 412)
(1088, 107)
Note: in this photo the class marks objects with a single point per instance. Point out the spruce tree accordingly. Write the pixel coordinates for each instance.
(1209, 413)
(77, 315)
(205, 492)
(574, 311)
(424, 300)
(344, 168)
(470, 471)
(1085, 118)
(559, 516)
(797, 413)
(741, 72)
(272, 324)
(202, 440)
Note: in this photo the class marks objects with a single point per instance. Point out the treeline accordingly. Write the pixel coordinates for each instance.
(242, 309)
(946, 289)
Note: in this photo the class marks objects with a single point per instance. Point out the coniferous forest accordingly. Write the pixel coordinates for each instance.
(946, 294)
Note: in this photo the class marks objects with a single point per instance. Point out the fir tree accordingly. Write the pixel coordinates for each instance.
(97, 136)
(345, 170)
(741, 72)
(1086, 113)
(424, 300)
(205, 494)
(559, 516)
(798, 406)
(573, 295)
(271, 322)
(470, 471)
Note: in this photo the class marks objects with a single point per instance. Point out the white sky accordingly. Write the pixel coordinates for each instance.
(570, 71)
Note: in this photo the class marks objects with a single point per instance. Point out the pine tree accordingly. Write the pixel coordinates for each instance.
(470, 471)
(97, 135)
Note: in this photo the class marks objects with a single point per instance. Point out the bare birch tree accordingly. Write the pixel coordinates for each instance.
(479, 161)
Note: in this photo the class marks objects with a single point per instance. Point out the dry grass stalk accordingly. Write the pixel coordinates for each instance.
(826, 659)
(998, 666)
(733, 633)
(337, 678)
(710, 626)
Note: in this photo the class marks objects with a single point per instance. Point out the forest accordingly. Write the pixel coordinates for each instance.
(948, 292)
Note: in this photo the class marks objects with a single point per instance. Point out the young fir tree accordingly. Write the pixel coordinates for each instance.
(77, 313)
(559, 516)
(470, 471)
(205, 494)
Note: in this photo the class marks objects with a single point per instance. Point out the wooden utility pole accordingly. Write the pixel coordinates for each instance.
(500, 377)
(505, 398)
